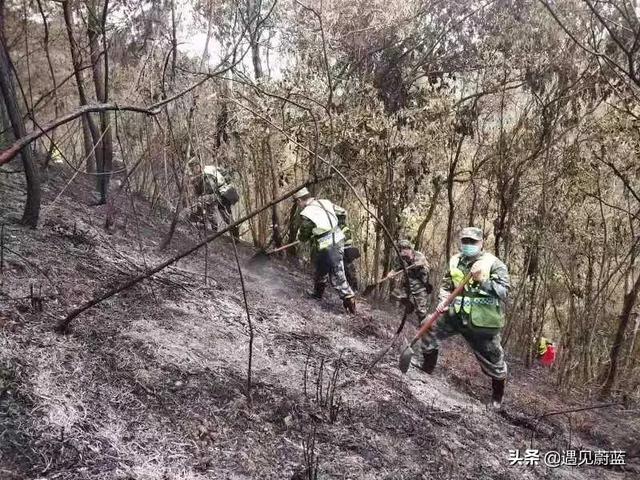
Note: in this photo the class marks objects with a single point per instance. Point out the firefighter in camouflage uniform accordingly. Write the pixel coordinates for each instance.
(476, 314)
(214, 191)
(322, 225)
(418, 273)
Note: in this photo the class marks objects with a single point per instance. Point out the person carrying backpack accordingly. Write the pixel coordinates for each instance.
(215, 192)
(320, 226)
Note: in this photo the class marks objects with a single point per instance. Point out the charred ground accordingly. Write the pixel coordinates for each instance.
(152, 383)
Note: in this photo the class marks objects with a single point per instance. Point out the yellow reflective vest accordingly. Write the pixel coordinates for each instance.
(481, 306)
(543, 344)
(326, 230)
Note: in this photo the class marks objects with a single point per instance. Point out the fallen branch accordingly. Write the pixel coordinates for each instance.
(246, 307)
(537, 419)
(8, 154)
(383, 352)
(581, 409)
(64, 324)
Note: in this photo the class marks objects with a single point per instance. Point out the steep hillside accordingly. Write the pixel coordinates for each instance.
(151, 384)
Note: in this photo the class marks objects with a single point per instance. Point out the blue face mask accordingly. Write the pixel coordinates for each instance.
(470, 250)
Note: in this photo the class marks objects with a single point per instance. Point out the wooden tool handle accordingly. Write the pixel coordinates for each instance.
(284, 247)
(395, 274)
(436, 315)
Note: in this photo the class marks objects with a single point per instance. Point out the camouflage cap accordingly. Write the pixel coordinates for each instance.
(303, 192)
(405, 245)
(473, 233)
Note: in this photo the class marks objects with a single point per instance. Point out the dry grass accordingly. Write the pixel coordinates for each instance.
(151, 384)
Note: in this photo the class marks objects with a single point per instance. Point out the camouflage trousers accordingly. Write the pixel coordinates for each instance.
(329, 265)
(419, 305)
(209, 213)
(485, 343)
(351, 274)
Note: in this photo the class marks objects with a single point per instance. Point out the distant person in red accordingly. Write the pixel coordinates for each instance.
(546, 352)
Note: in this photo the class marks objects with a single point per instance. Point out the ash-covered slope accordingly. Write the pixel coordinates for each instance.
(152, 383)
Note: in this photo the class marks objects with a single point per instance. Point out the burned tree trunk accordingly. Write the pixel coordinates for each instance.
(254, 32)
(91, 137)
(275, 218)
(32, 205)
(629, 302)
(96, 29)
(450, 182)
(437, 187)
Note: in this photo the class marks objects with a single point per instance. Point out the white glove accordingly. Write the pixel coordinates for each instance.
(477, 274)
(441, 308)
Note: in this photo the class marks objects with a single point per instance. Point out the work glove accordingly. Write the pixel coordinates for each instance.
(477, 274)
(442, 307)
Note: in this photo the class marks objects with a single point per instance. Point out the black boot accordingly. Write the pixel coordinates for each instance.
(349, 303)
(497, 387)
(429, 361)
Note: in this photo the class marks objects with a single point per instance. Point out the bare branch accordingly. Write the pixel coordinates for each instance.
(63, 324)
(346, 181)
(608, 59)
(246, 307)
(9, 153)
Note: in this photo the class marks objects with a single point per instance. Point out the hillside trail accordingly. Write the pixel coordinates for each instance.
(152, 383)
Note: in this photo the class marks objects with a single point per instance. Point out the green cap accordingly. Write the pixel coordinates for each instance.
(473, 233)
